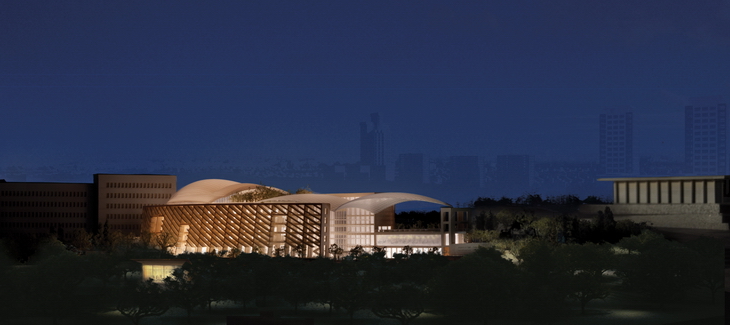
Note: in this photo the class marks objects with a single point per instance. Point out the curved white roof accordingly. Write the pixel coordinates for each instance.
(334, 201)
(208, 190)
(379, 201)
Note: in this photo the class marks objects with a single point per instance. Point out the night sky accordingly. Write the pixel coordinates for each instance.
(134, 82)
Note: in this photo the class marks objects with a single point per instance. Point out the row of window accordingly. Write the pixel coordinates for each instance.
(43, 214)
(125, 206)
(705, 151)
(138, 195)
(47, 225)
(36, 204)
(712, 108)
(43, 193)
(705, 163)
(125, 227)
(124, 216)
(705, 133)
(139, 185)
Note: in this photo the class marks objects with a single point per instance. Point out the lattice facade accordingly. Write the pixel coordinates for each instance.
(261, 227)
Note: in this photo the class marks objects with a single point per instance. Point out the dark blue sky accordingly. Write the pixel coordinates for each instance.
(137, 80)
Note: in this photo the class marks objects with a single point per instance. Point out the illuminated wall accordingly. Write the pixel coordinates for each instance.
(248, 227)
(122, 197)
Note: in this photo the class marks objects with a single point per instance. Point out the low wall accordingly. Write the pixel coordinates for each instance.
(698, 216)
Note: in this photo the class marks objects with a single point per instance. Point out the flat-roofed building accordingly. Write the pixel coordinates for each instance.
(64, 208)
(121, 198)
(42, 208)
(678, 202)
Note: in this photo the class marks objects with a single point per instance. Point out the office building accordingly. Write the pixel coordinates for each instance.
(705, 133)
(113, 200)
(616, 143)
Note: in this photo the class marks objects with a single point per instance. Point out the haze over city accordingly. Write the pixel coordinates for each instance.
(273, 92)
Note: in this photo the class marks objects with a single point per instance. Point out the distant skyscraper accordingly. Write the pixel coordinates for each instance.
(371, 142)
(705, 137)
(616, 143)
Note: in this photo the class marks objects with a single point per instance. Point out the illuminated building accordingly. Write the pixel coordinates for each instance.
(203, 218)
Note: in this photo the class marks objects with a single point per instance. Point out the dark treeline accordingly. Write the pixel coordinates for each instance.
(542, 284)
(564, 228)
(537, 200)
(418, 219)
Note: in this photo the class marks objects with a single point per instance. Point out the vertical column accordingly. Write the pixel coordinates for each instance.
(688, 192)
(676, 192)
(664, 192)
(654, 192)
(643, 188)
(616, 195)
(699, 191)
(633, 190)
(711, 192)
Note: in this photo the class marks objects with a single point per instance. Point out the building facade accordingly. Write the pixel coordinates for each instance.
(122, 197)
(616, 143)
(202, 219)
(705, 136)
(43, 208)
(701, 202)
(64, 208)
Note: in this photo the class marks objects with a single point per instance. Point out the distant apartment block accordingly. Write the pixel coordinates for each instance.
(616, 138)
(705, 150)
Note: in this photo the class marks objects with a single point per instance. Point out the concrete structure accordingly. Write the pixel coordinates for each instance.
(705, 150)
(616, 138)
(701, 202)
(203, 218)
(454, 224)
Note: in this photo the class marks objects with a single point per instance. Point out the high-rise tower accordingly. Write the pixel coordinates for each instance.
(371, 142)
(705, 137)
(616, 143)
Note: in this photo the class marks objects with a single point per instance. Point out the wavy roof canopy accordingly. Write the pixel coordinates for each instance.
(380, 201)
(209, 190)
(334, 201)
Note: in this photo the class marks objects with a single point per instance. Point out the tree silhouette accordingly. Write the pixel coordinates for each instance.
(141, 299)
(586, 264)
(404, 302)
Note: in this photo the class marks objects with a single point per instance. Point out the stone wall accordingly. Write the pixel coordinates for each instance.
(698, 216)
